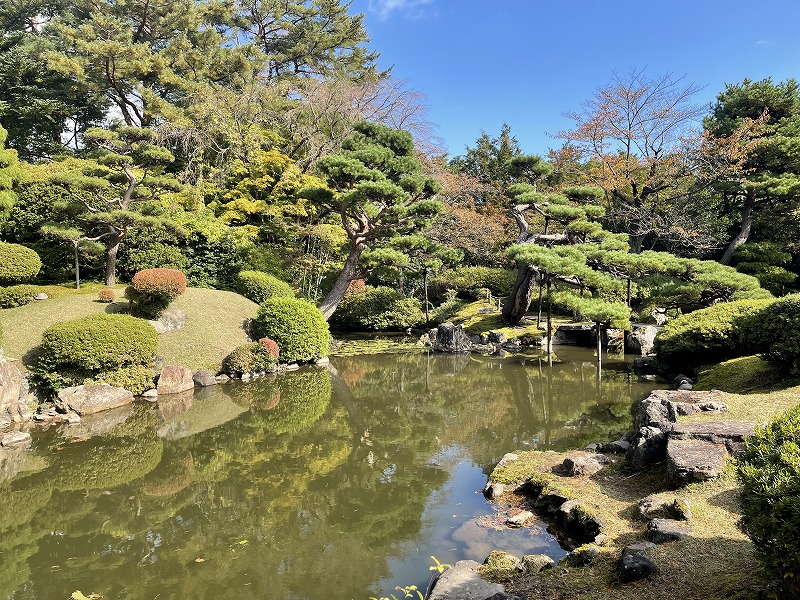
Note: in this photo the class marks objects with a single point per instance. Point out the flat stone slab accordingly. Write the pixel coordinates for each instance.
(713, 431)
(635, 564)
(690, 460)
(668, 530)
(464, 582)
(90, 399)
(15, 439)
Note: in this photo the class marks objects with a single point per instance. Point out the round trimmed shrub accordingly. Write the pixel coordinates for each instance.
(107, 295)
(769, 471)
(17, 263)
(17, 295)
(707, 336)
(377, 309)
(135, 378)
(259, 286)
(151, 290)
(249, 358)
(775, 331)
(98, 343)
(298, 327)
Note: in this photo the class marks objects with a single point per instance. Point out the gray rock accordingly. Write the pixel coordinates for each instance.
(535, 563)
(451, 338)
(151, 393)
(90, 399)
(174, 380)
(645, 365)
(641, 339)
(11, 382)
(463, 582)
(619, 446)
(685, 386)
(204, 378)
(222, 378)
(292, 367)
(660, 508)
(635, 564)
(41, 296)
(582, 556)
(580, 520)
(494, 490)
(72, 419)
(690, 460)
(615, 340)
(497, 337)
(520, 519)
(323, 361)
(170, 320)
(574, 334)
(581, 465)
(650, 446)
(15, 439)
(720, 432)
(667, 530)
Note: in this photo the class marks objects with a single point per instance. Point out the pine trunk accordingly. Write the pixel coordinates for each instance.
(331, 301)
(744, 231)
(112, 248)
(519, 300)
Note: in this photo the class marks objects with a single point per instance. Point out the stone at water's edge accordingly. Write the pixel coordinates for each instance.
(15, 439)
(10, 386)
(535, 563)
(90, 399)
(641, 339)
(451, 338)
(174, 380)
(581, 465)
(464, 582)
(204, 378)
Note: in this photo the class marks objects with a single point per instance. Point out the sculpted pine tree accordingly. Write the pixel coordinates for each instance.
(377, 189)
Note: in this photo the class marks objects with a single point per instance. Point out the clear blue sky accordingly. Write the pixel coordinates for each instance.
(525, 62)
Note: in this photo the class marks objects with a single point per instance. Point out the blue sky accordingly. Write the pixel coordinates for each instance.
(525, 62)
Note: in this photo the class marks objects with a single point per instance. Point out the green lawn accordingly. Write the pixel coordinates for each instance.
(213, 328)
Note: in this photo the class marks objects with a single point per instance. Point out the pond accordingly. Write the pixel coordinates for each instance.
(323, 483)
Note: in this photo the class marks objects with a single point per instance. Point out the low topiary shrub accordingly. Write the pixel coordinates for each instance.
(17, 295)
(466, 281)
(85, 349)
(17, 263)
(775, 332)
(135, 378)
(151, 290)
(249, 358)
(107, 295)
(377, 309)
(259, 286)
(298, 327)
(769, 471)
(707, 336)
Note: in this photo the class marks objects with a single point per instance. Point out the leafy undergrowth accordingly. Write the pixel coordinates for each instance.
(214, 326)
(476, 323)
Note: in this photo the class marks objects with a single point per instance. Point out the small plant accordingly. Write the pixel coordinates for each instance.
(271, 347)
(107, 295)
(411, 591)
(151, 290)
(249, 358)
(17, 295)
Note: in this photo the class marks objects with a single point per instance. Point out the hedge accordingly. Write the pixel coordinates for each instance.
(467, 281)
(298, 327)
(259, 286)
(775, 332)
(17, 263)
(377, 309)
(17, 295)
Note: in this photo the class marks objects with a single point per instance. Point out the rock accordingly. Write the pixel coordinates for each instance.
(11, 383)
(159, 362)
(41, 296)
(635, 564)
(494, 490)
(486, 310)
(619, 446)
(72, 419)
(581, 465)
(174, 380)
(641, 339)
(508, 457)
(451, 338)
(501, 565)
(170, 320)
(222, 378)
(650, 446)
(730, 433)
(615, 341)
(593, 447)
(685, 386)
(291, 367)
(535, 563)
(580, 520)
(582, 556)
(659, 508)
(5, 420)
(520, 519)
(204, 378)
(645, 365)
(574, 334)
(151, 393)
(463, 582)
(497, 337)
(323, 361)
(90, 399)
(667, 530)
(97, 424)
(15, 439)
(690, 460)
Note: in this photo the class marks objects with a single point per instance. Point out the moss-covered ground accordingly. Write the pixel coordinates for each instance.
(214, 326)
(475, 322)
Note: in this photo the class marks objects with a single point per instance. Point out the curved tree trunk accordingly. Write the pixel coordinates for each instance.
(112, 248)
(519, 300)
(349, 272)
(744, 231)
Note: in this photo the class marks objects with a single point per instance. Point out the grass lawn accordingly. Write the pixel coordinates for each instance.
(213, 328)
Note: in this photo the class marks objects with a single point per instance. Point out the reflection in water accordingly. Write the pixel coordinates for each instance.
(335, 483)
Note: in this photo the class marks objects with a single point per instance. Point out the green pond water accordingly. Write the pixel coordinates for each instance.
(323, 483)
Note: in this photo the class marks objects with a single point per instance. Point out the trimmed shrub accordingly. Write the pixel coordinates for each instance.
(377, 309)
(97, 343)
(259, 286)
(707, 336)
(249, 358)
(151, 290)
(466, 281)
(775, 331)
(769, 472)
(135, 378)
(271, 346)
(298, 327)
(17, 263)
(107, 295)
(17, 295)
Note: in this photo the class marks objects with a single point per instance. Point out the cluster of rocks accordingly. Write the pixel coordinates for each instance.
(17, 402)
(694, 451)
(453, 339)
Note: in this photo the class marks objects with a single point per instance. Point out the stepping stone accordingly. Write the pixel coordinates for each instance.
(730, 433)
(690, 460)
(635, 564)
(667, 530)
(463, 582)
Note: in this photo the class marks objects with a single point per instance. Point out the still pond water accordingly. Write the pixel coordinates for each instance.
(321, 484)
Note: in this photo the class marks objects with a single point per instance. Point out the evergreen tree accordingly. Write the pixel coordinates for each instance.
(11, 173)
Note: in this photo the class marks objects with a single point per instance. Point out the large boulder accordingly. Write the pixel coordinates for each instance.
(174, 380)
(170, 320)
(464, 582)
(11, 383)
(641, 339)
(451, 338)
(90, 399)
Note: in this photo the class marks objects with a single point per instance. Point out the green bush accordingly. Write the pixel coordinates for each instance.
(151, 290)
(296, 325)
(259, 286)
(135, 378)
(96, 344)
(466, 281)
(707, 336)
(248, 358)
(769, 471)
(17, 263)
(17, 295)
(377, 309)
(775, 332)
